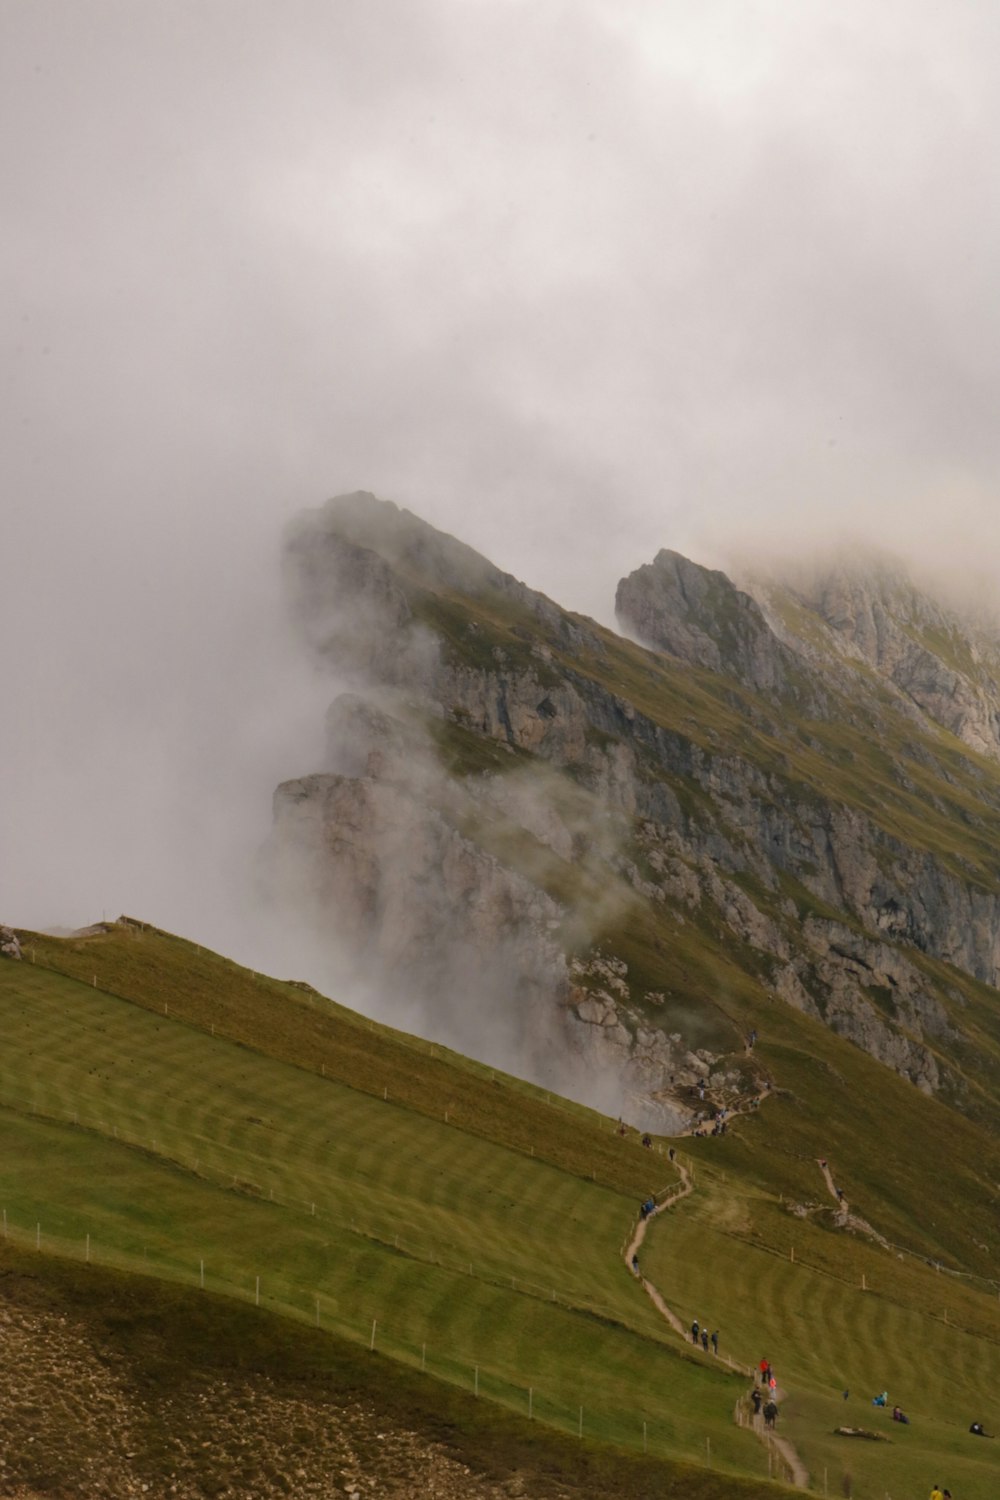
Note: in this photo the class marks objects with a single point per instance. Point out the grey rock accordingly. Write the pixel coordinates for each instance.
(10, 946)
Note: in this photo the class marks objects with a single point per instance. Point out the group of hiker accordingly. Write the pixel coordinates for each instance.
(700, 1334)
(647, 1139)
(765, 1393)
(898, 1414)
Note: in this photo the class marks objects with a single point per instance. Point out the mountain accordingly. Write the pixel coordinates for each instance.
(604, 864)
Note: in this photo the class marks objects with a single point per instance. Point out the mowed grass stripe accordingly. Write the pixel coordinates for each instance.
(824, 1336)
(153, 969)
(506, 1217)
(817, 1331)
(520, 1340)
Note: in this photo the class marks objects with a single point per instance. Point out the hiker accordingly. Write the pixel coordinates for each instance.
(846, 1394)
(670, 1153)
(840, 1195)
(756, 1398)
(898, 1415)
(704, 1339)
(643, 1211)
(635, 1264)
(937, 1493)
(979, 1430)
(822, 1162)
(715, 1342)
(882, 1400)
(765, 1370)
(772, 1385)
(694, 1331)
(647, 1141)
(770, 1412)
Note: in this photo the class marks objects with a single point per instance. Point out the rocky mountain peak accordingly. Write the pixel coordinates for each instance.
(870, 615)
(700, 616)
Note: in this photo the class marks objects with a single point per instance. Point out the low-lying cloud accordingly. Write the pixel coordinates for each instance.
(573, 282)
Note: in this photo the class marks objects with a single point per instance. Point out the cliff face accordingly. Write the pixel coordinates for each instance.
(628, 855)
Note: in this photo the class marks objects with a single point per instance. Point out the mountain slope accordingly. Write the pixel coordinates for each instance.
(633, 852)
(177, 1120)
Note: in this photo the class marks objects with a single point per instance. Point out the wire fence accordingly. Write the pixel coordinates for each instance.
(266, 1188)
(634, 1428)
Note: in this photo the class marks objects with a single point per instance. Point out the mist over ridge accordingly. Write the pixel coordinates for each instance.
(572, 286)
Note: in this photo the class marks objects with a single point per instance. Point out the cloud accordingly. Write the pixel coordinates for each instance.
(573, 281)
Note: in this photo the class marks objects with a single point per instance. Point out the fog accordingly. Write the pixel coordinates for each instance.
(573, 281)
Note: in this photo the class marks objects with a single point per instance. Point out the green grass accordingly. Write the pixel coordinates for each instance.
(169, 1148)
(726, 1255)
(253, 1152)
(191, 1362)
(288, 1022)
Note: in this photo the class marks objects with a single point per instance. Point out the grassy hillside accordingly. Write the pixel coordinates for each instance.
(185, 1119)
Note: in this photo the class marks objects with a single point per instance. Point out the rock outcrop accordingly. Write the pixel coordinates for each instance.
(699, 616)
(10, 946)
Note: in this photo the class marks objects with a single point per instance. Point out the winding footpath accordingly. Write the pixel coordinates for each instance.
(831, 1185)
(796, 1469)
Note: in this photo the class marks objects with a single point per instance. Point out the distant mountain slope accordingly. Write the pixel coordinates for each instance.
(600, 864)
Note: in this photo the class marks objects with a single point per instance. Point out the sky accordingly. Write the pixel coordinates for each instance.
(574, 281)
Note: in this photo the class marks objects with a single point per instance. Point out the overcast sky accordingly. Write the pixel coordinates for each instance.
(572, 280)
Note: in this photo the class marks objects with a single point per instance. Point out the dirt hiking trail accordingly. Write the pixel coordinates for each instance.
(796, 1470)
